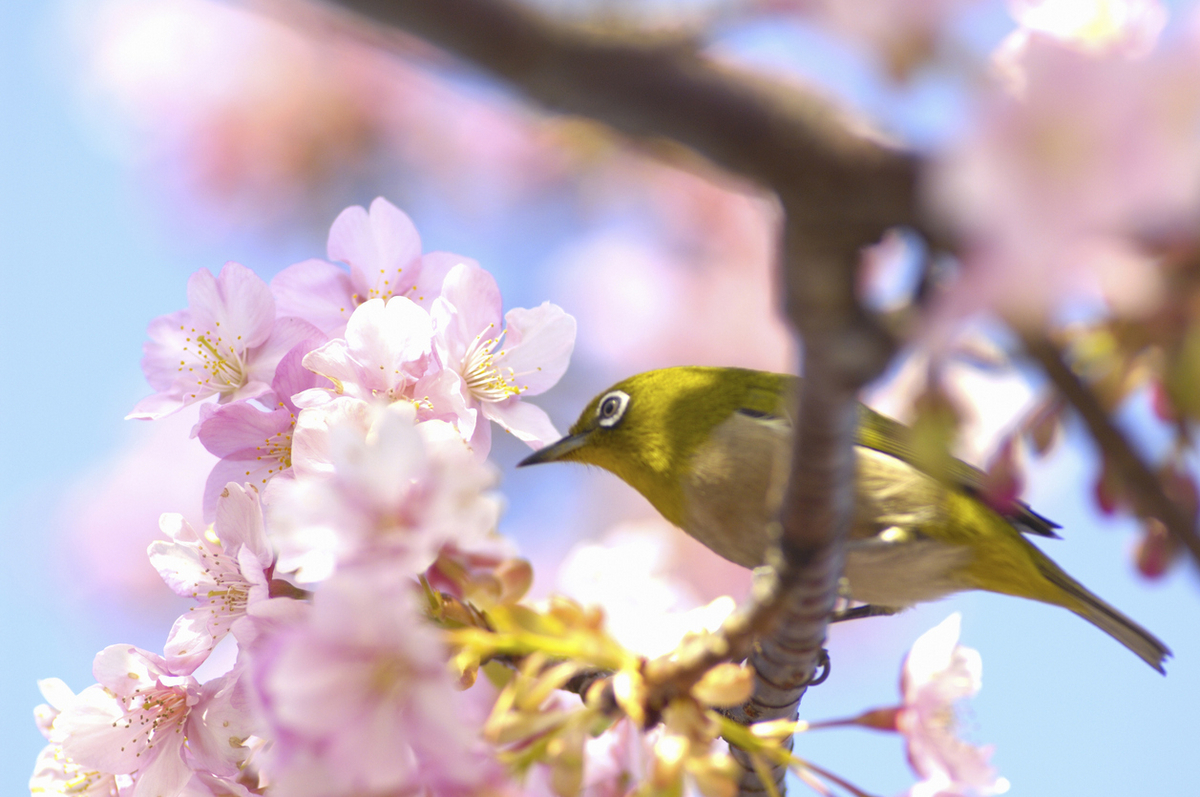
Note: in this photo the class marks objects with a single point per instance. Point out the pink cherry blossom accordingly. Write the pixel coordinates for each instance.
(359, 699)
(1125, 29)
(1128, 27)
(664, 298)
(256, 446)
(385, 353)
(613, 762)
(371, 483)
(224, 571)
(1055, 188)
(145, 720)
(227, 343)
(53, 772)
(629, 573)
(205, 784)
(497, 366)
(937, 673)
(383, 250)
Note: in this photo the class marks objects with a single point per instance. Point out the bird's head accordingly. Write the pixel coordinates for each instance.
(646, 428)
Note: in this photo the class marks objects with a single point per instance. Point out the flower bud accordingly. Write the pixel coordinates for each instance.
(725, 685)
(1156, 550)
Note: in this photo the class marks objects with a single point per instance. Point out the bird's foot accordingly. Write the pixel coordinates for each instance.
(822, 672)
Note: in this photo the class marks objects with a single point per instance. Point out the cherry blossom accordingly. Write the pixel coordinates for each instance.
(664, 298)
(383, 249)
(1127, 27)
(497, 366)
(937, 673)
(359, 698)
(225, 570)
(53, 772)
(372, 483)
(385, 352)
(227, 343)
(246, 122)
(142, 718)
(647, 605)
(1055, 187)
(256, 446)
(613, 762)
(205, 784)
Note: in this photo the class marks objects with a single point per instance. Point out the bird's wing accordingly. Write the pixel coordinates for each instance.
(893, 438)
(771, 405)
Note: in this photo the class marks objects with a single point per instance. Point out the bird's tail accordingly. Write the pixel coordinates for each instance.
(1112, 622)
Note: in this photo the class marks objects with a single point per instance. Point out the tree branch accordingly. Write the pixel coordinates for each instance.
(1147, 490)
(777, 136)
(840, 192)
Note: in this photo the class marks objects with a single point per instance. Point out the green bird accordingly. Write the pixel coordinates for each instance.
(710, 448)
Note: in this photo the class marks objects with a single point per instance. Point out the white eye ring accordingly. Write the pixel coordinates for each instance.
(611, 408)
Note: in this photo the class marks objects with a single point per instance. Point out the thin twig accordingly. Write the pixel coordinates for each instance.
(1145, 488)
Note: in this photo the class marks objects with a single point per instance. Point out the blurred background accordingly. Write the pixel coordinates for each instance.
(141, 140)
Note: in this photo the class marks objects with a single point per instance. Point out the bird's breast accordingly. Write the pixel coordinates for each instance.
(734, 485)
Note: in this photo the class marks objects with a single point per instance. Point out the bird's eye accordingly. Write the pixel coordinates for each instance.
(611, 408)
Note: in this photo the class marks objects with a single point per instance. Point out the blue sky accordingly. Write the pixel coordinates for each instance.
(88, 261)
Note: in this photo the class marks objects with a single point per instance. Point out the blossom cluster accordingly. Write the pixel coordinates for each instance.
(351, 514)
(351, 412)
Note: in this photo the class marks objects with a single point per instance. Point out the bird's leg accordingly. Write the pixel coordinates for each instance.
(859, 612)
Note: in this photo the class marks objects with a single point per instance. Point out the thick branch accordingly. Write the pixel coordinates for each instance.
(1147, 490)
(840, 191)
(783, 138)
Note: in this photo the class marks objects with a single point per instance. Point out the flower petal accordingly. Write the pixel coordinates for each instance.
(162, 353)
(931, 654)
(247, 466)
(167, 773)
(234, 427)
(311, 446)
(334, 362)
(390, 339)
(236, 306)
(537, 346)
(446, 392)
(85, 728)
(181, 566)
(126, 669)
(528, 422)
(291, 377)
(151, 408)
(264, 359)
(239, 523)
(434, 268)
(319, 292)
(467, 311)
(190, 640)
(216, 740)
(56, 692)
(382, 248)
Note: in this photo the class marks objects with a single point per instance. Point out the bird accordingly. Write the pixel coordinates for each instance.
(709, 448)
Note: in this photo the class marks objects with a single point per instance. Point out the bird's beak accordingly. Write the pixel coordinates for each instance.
(555, 451)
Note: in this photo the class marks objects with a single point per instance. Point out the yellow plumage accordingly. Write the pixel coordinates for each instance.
(709, 448)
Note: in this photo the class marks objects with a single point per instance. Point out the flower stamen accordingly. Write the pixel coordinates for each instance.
(485, 379)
